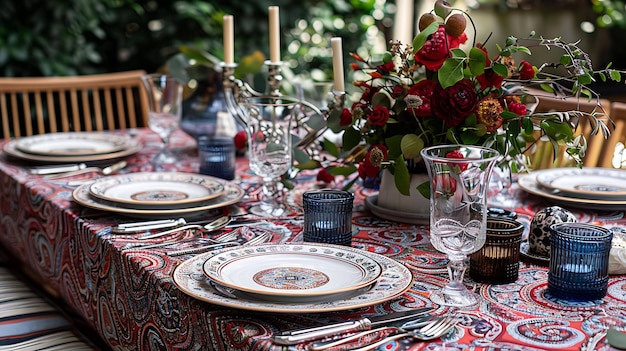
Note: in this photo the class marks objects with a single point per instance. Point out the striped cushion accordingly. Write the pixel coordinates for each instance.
(28, 322)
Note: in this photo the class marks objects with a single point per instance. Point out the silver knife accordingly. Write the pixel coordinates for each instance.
(301, 335)
(43, 170)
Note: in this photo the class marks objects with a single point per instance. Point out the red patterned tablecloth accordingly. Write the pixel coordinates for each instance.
(130, 298)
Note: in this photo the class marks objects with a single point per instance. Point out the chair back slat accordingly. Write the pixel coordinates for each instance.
(38, 105)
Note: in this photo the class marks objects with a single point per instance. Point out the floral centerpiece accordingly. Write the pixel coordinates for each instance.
(433, 92)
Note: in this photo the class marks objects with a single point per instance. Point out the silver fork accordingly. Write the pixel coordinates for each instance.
(433, 330)
(221, 243)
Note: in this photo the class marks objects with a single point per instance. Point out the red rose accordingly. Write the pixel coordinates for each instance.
(419, 96)
(241, 140)
(379, 116)
(437, 48)
(455, 103)
(371, 165)
(517, 108)
(397, 91)
(444, 185)
(458, 155)
(526, 70)
(385, 68)
(490, 79)
(325, 176)
(346, 117)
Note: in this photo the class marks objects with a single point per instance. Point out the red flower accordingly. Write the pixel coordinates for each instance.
(345, 118)
(397, 91)
(454, 103)
(437, 48)
(526, 70)
(419, 96)
(241, 140)
(444, 185)
(325, 176)
(517, 108)
(385, 68)
(488, 113)
(371, 165)
(458, 155)
(379, 116)
(490, 79)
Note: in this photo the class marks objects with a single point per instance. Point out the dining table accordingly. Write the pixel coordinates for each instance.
(129, 295)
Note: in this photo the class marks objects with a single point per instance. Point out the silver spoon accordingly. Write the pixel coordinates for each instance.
(104, 171)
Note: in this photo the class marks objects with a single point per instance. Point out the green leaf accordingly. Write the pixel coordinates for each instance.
(565, 60)
(394, 146)
(615, 75)
(421, 38)
(584, 79)
(351, 138)
(424, 189)
(331, 148)
(343, 170)
(401, 177)
(411, 146)
(477, 59)
(509, 115)
(381, 99)
(500, 69)
(310, 164)
(333, 121)
(450, 72)
(557, 130)
(528, 125)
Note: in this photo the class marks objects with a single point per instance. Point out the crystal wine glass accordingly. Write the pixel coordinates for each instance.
(269, 123)
(459, 180)
(165, 110)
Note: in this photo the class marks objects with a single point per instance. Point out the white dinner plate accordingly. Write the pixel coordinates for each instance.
(157, 190)
(371, 203)
(133, 146)
(528, 183)
(72, 144)
(394, 281)
(585, 183)
(232, 194)
(293, 270)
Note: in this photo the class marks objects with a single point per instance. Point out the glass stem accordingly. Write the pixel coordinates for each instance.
(456, 271)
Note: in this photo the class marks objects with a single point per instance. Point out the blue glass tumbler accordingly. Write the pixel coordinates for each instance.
(217, 157)
(579, 261)
(328, 216)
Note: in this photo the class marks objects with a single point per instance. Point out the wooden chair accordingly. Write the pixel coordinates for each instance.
(544, 154)
(611, 149)
(38, 105)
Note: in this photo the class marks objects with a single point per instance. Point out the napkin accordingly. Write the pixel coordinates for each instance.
(617, 256)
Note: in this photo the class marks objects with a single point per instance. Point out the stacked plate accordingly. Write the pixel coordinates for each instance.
(587, 188)
(302, 277)
(72, 147)
(158, 194)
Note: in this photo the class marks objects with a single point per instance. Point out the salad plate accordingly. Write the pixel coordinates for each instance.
(586, 183)
(157, 190)
(293, 270)
(72, 144)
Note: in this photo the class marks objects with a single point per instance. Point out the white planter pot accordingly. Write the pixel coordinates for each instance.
(390, 198)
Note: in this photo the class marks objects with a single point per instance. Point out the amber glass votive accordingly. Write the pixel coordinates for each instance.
(328, 216)
(497, 262)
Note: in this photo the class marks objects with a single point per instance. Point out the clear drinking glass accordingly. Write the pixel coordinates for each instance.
(269, 123)
(165, 96)
(458, 211)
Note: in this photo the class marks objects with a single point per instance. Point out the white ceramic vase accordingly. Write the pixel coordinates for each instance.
(390, 198)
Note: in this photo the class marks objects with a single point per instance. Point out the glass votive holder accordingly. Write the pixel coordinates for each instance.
(217, 157)
(579, 261)
(497, 262)
(328, 216)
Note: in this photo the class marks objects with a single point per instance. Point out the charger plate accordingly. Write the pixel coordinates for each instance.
(10, 148)
(371, 203)
(293, 270)
(394, 281)
(232, 194)
(72, 144)
(157, 190)
(528, 183)
(586, 183)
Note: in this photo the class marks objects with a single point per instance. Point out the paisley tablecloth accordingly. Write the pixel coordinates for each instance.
(130, 298)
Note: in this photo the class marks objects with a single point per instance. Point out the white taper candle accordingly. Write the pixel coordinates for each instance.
(229, 40)
(274, 34)
(337, 63)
